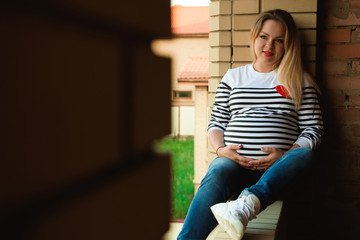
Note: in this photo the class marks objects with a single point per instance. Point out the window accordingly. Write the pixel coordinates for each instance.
(182, 94)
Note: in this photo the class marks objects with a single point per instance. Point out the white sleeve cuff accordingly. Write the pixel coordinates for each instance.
(304, 143)
(213, 128)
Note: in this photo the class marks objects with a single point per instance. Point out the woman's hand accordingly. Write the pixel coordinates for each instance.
(264, 163)
(231, 153)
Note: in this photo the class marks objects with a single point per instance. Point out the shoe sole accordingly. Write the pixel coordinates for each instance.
(227, 226)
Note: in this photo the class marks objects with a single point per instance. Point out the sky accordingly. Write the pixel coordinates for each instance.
(190, 2)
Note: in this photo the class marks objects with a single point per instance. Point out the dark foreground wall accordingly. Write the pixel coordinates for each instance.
(82, 98)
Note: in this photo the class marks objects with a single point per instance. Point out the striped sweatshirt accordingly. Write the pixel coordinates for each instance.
(250, 111)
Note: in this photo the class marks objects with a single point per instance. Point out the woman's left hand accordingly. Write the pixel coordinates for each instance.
(264, 163)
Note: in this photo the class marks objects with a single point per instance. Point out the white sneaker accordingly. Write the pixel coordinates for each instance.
(234, 216)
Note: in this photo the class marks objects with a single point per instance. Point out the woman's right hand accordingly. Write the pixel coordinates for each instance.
(230, 152)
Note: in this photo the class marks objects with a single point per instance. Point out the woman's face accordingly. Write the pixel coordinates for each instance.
(269, 46)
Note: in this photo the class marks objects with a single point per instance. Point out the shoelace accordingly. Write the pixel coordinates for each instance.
(242, 210)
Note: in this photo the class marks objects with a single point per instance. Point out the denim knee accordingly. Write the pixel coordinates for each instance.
(220, 172)
(302, 150)
(305, 154)
(298, 158)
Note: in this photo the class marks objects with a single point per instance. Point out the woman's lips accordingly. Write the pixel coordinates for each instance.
(268, 54)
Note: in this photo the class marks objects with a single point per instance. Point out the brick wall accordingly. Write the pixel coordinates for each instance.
(338, 183)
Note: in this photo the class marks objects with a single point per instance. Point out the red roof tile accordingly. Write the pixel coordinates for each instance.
(190, 20)
(196, 69)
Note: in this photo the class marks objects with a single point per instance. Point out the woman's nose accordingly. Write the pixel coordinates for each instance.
(270, 43)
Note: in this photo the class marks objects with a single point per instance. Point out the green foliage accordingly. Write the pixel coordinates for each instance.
(182, 152)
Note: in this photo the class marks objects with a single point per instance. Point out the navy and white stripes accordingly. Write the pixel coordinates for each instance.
(251, 112)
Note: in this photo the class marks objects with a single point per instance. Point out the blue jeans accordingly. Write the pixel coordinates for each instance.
(226, 179)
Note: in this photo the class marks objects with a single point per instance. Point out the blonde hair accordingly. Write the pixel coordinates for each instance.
(290, 71)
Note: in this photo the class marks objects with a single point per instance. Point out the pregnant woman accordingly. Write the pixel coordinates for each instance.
(264, 125)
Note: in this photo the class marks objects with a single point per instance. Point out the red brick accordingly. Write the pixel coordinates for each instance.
(347, 115)
(351, 20)
(354, 3)
(336, 67)
(336, 99)
(354, 144)
(355, 36)
(355, 67)
(355, 129)
(343, 51)
(342, 82)
(354, 101)
(337, 35)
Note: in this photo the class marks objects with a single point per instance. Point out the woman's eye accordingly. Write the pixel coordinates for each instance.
(262, 36)
(279, 40)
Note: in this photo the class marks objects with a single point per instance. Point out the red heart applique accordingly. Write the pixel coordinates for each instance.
(282, 90)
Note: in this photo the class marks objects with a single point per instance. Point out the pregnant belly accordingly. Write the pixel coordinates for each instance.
(259, 133)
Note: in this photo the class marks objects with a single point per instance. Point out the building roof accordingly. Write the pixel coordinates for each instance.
(190, 20)
(195, 71)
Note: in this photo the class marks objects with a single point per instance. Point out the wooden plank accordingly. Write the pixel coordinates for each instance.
(257, 237)
(261, 226)
(259, 232)
(265, 220)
